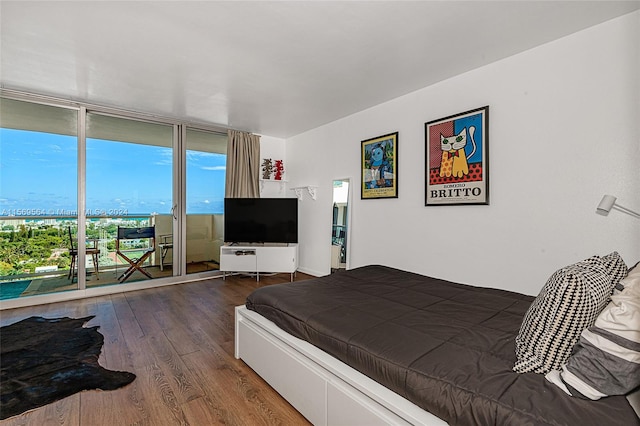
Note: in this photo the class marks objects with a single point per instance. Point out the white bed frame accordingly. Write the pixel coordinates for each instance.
(322, 388)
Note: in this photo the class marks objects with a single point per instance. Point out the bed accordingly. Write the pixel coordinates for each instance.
(377, 345)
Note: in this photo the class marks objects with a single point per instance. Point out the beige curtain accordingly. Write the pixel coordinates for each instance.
(243, 165)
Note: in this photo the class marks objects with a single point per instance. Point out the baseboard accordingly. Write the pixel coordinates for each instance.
(312, 272)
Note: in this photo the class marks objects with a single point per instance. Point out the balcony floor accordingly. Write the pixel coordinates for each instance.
(61, 282)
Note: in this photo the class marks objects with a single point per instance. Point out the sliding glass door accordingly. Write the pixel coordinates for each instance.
(38, 198)
(205, 184)
(129, 184)
(76, 180)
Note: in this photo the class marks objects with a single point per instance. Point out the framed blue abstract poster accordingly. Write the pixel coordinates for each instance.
(457, 159)
(379, 165)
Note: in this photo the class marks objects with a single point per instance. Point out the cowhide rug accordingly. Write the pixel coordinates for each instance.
(43, 360)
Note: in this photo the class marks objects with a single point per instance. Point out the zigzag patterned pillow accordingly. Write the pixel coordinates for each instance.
(615, 267)
(568, 303)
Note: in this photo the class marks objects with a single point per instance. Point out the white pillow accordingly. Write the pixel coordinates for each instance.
(632, 280)
(606, 360)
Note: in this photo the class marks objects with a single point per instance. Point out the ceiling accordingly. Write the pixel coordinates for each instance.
(276, 68)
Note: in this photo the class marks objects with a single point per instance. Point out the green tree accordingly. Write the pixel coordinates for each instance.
(6, 268)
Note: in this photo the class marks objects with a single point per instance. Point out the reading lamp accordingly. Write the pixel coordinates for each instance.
(608, 202)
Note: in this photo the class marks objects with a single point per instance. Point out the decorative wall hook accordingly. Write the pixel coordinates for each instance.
(312, 190)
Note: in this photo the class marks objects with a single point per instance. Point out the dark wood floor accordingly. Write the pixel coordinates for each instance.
(179, 341)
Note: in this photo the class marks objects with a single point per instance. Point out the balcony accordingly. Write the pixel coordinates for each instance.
(35, 259)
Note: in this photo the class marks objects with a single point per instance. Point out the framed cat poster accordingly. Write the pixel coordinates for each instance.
(457, 159)
(379, 165)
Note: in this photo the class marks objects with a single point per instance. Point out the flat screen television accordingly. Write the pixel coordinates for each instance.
(261, 220)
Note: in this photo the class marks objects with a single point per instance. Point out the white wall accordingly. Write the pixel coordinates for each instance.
(564, 129)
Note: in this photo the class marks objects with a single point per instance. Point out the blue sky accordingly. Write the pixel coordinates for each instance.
(38, 172)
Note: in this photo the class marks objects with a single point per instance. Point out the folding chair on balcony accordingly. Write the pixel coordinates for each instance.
(91, 250)
(137, 237)
(166, 244)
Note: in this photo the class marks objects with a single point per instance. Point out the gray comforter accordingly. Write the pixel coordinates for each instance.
(447, 347)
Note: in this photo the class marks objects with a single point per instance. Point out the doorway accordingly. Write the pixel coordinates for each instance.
(340, 225)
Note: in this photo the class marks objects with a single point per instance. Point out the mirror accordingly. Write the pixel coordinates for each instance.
(340, 225)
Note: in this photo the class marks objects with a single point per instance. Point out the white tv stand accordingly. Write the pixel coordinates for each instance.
(257, 258)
